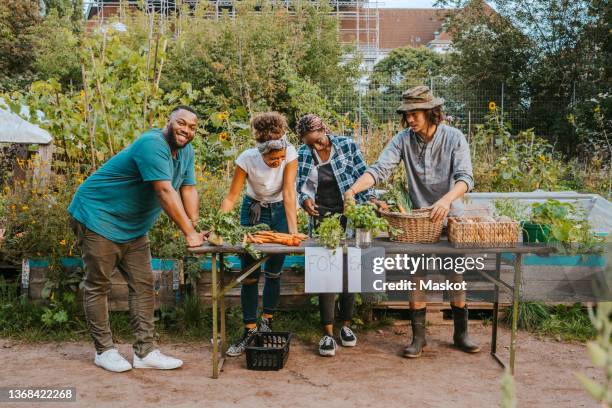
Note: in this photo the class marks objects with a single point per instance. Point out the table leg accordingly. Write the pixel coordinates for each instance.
(222, 305)
(215, 331)
(496, 311)
(518, 267)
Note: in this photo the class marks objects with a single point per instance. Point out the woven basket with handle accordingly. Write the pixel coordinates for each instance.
(414, 227)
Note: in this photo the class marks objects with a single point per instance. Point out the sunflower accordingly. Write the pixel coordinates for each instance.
(223, 136)
(492, 105)
(223, 115)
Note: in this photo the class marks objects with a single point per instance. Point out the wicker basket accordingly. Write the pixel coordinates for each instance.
(478, 232)
(415, 227)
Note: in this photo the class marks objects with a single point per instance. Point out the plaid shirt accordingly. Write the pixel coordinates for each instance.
(347, 164)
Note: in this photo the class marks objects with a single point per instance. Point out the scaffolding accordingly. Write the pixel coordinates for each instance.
(358, 20)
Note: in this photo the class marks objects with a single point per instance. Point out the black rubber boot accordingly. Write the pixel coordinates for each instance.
(460, 337)
(418, 334)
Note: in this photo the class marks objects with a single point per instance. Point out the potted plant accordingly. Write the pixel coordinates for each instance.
(363, 218)
(550, 221)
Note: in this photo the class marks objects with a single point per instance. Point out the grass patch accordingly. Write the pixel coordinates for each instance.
(22, 319)
(566, 323)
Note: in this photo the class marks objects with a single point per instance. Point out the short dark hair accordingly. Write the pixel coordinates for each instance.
(434, 116)
(184, 107)
(268, 126)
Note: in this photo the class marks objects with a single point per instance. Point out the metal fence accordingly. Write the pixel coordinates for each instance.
(465, 108)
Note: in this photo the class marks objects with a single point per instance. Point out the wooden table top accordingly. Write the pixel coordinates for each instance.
(441, 248)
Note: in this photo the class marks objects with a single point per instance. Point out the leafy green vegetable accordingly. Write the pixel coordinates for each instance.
(224, 227)
(397, 197)
(363, 216)
(330, 232)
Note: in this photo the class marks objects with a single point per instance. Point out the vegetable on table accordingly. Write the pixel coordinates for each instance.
(271, 237)
(224, 227)
(330, 232)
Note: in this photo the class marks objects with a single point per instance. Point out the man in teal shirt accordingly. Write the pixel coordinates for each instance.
(111, 213)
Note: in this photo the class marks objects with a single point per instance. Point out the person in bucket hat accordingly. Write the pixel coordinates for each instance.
(438, 167)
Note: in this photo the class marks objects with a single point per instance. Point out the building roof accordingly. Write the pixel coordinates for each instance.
(410, 27)
(441, 38)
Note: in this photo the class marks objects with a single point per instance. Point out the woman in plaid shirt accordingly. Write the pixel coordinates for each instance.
(327, 166)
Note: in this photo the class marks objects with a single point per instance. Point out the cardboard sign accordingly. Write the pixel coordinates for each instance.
(323, 270)
(360, 271)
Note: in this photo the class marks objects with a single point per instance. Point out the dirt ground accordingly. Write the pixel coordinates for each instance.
(371, 374)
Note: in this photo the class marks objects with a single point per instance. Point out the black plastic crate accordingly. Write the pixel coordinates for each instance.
(268, 350)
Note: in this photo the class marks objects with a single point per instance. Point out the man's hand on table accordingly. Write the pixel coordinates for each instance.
(196, 239)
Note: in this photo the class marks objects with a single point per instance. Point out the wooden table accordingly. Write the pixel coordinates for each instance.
(391, 248)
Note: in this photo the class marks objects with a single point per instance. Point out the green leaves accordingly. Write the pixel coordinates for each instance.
(227, 227)
(600, 352)
(567, 226)
(551, 211)
(330, 232)
(397, 196)
(363, 216)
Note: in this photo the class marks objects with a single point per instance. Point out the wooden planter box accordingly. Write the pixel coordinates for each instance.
(168, 278)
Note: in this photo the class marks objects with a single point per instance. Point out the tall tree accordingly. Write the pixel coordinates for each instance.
(548, 53)
(18, 19)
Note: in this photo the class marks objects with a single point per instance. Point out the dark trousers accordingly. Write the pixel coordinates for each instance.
(327, 301)
(133, 259)
(274, 216)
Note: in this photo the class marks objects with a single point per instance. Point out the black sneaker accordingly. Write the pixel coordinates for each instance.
(265, 325)
(347, 337)
(237, 349)
(327, 346)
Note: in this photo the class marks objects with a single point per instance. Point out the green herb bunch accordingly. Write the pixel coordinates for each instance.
(330, 232)
(363, 216)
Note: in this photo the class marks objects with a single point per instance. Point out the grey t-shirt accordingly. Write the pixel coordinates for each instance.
(432, 168)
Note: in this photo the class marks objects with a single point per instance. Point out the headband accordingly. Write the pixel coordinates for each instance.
(276, 144)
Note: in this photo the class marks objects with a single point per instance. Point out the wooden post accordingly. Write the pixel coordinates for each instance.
(222, 304)
(21, 155)
(518, 265)
(42, 169)
(215, 331)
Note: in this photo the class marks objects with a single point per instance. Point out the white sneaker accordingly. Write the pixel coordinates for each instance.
(111, 360)
(327, 346)
(157, 360)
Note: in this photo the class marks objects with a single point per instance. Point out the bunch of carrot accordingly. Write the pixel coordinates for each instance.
(271, 237)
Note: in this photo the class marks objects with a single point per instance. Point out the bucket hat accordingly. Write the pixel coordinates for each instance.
(419, 97)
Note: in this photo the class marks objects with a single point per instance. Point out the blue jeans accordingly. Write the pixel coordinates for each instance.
(274, 216)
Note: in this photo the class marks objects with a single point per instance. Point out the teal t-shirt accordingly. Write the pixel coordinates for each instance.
(118, 200)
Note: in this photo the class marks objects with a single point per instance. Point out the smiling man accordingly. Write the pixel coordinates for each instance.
(111, 214)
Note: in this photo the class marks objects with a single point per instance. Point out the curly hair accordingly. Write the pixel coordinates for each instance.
(434, 116)
(268, 126)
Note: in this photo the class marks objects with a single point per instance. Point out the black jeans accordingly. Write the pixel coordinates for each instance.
(327, 304)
